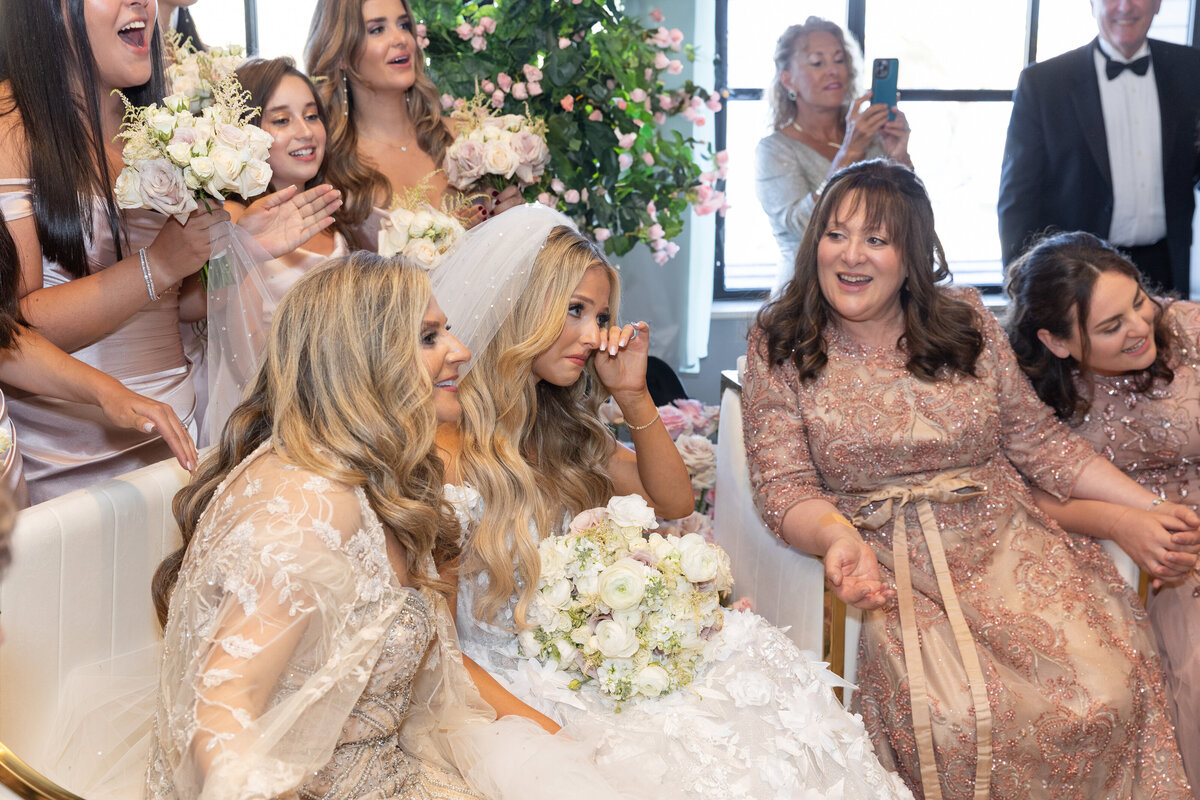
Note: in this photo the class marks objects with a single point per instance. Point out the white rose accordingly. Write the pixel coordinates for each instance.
(392, 240)
(554, 560)
(615, 640)
(529, 643)
(558, 594)
(255, 178)
(697, 559)
(260, 142)
(750, 688)
(232, 136)
(499, 159)
(630, 511)
(622, 586)
(162, 121)
(163, 189)
(421, 252)
(180, 153)
(660, 547)
(203, 167)
(586, 586)
(651, 681)
(177, 101)
(128, 189)
(420, 223)
(630, 619)
(227, 166)
(193, 181)
(205, 131)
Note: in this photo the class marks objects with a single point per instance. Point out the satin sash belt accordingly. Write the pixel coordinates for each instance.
(947, 487)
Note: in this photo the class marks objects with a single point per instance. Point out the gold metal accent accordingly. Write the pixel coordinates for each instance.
(27, 782)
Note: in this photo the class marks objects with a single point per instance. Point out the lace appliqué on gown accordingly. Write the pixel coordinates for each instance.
(759, 721)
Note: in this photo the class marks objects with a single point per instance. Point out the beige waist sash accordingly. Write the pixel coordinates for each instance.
(948, 487)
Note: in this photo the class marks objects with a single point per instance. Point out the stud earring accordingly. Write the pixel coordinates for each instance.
(791, 94)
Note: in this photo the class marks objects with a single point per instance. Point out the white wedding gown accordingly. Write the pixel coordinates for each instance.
(759, 721)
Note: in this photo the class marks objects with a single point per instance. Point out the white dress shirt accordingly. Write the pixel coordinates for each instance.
(1133, 126)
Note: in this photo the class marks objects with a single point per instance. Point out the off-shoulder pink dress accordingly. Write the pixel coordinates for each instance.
(1154, 437)
(69, 445)
(1011, 617)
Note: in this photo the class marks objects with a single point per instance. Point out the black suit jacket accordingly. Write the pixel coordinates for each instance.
(1056, 171)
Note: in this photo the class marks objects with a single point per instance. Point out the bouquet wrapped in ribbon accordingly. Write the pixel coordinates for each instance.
(175, 160)
(623, 606)
(494, 149)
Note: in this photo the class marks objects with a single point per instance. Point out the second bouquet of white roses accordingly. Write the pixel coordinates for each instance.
(175, 160)
(632, 612)
(420, 232)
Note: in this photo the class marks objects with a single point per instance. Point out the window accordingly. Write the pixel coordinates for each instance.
(959, 64)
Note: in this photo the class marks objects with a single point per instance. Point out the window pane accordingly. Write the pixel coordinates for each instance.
(1067, 24)
(220, 22)
(978, 45)
(750, 252)
(957, 149)
(752, 43)
(283, 28)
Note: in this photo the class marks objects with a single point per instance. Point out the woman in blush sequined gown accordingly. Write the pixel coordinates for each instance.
(760, 720)
(890, 430)
(1122, 368)
(309, 651)
(82, 283)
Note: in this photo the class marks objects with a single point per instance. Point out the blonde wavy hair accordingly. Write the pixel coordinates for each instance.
(536, 452)
(342, 391)
(335, 43)
(783, 108)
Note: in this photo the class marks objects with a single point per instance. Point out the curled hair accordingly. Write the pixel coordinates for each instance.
(535, 451)
(45, 57)
(1050, 287)
(342, 391)
(795, 38)
(941, 331)
(335, 43)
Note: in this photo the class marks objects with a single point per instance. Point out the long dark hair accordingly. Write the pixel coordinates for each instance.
(11, 320)
(185, 26)
(1050, 287)
(45, 55)
(941, 331)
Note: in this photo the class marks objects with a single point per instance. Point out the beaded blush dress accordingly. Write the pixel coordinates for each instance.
(1032, 662)
(1154, 438)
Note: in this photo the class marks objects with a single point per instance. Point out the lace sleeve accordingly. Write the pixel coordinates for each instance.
(275, 624)
(782, 470)
(1042, 448)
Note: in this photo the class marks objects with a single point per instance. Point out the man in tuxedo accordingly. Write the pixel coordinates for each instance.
(1103, 139)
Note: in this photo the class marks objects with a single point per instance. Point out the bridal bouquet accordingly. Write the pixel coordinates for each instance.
(496, 149)
(417, 230)
(193, 73)
(175, 159)
(630, 611)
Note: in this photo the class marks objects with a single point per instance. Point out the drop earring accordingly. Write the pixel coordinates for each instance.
(345, 96)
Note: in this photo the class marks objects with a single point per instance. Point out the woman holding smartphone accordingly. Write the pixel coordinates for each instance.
(818, 126)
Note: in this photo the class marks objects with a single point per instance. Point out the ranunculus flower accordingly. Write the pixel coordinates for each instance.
(558, 594)
(697, 558)
(566, 651)
(163, 189)
(631, 511)
(615, 640)
(622, 585)
(651, 681)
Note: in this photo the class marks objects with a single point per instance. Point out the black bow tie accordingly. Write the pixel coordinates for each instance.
(1113, 68)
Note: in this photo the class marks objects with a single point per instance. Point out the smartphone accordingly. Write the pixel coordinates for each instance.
(883, 83)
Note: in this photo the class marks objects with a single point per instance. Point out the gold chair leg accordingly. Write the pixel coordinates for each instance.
(28, 782)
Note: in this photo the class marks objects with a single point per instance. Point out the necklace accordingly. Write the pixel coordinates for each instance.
(796, 125)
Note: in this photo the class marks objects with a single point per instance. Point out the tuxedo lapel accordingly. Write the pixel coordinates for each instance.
(1085, 96)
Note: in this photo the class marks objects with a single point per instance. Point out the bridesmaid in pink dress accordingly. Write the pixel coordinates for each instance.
(111, 288)
(890, 431)
(1122, 368)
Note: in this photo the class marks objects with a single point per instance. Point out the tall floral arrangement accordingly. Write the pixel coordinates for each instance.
(604, 83)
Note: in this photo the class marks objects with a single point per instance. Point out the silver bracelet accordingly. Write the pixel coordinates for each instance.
(1155, 503)
(146, 274)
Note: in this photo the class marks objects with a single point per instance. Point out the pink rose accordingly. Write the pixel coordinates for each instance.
(742, 604)
(625, 161)
(460, 103)
(675, 67)
(478, 43)
(518, 91)
(498, 99)
(601, 234)
(163, 189)
(504, 81)
(660, 60)
(666, 101)
(535, 88)
(477, 30)
(637, 95)
(422, 31)
(722, 157)
(447, 101)
(488, 24)
(571, 196)
(652, 210)
(533, 155)
(698, 413)
(546, 199)
(621, 103)
(463, 31)
(659, 118)
(713, 102)
(626, 140)
(557, 186)
(656, 15)
(596, 116)
(676, 38)
(464, 163)
(655, 231)
(649, 159)
(532, 73)
(587, 520)
(563, 43)
(568, 103)
(487, 86)
(675, 421)
(661, 258)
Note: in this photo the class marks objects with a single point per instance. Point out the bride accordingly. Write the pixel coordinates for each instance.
(760, 719)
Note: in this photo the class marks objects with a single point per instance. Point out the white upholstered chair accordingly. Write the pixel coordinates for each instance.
(77, 593)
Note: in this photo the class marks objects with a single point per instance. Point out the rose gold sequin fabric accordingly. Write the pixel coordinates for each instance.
(1154, 437)
(1073, 679)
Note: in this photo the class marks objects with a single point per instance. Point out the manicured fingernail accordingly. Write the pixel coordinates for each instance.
(624, 342)
(495, 193)
(148, 427)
